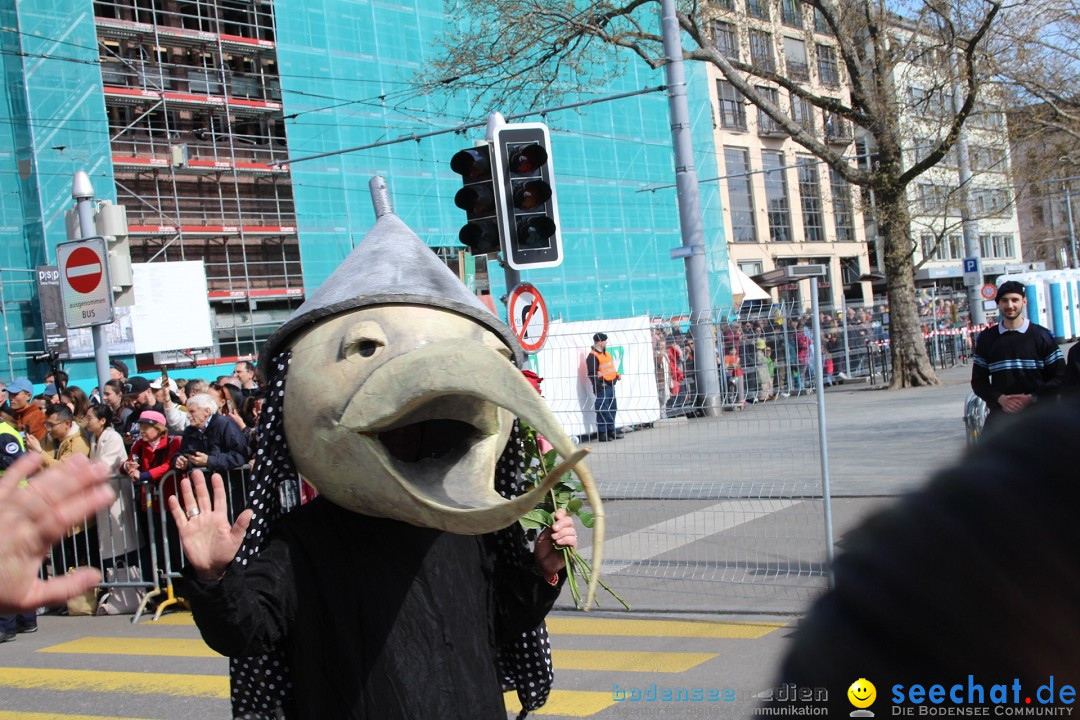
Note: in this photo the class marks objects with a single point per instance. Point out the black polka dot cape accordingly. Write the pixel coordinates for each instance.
(261, 686)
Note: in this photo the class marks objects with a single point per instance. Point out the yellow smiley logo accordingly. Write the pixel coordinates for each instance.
(862, 693)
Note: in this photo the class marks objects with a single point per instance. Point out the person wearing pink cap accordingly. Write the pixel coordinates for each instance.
(151, 460)
(152, 454)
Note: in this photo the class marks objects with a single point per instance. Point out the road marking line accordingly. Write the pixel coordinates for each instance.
(568, 703)
(603, 660)
(586, 625)
(620, 661)
(173, 618)
(12, 715)
(129, 683)
(625, 550)
(659, 628)
(169, 647)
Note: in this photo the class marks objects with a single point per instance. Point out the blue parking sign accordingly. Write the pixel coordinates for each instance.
(971, 265)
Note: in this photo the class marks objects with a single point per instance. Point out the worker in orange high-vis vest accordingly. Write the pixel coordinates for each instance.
(601, 368)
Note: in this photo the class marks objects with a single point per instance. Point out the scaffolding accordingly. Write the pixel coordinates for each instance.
(193, 97)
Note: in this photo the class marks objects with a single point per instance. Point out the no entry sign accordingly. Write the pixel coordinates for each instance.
(84, 282)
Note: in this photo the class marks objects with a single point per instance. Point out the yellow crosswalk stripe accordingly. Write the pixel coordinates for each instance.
(617, 661)
(176, 618)
(659, 628)
(601, 660)
(10, 715)
(568, 703)
(560, 625)
(130, 683)
(167, 647)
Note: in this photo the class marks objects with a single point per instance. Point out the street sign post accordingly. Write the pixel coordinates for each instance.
(529, 317)
(84, 282)
(972, 272)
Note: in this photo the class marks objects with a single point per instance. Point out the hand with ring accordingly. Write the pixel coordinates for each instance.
(210, 541)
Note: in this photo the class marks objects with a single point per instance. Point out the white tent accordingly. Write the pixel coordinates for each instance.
(742, 287)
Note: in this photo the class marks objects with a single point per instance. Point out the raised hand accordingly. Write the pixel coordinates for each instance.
(210, 542)
(34, 517)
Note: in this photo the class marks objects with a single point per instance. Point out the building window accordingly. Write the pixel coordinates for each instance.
(843, 214)
(725, 4)
(732, 106)
(986, 116)
(824, 284)
(791, 13)
(987, 159)
(776, 197)
(837, 129)
(997, 246)
(725, 39)
(761, 51)
(750, 268)
(758, 9)
(930, 103)
(1003, 246)
(933, 198)
(929, 246)
(767, 127)
(995, 202)
(810, 196)
(828, 69)
(956, 246)
(802, 112)
(795, 59)
(820, 24)
(740, 194)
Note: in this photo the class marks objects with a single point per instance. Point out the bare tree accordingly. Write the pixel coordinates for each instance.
(506, 48)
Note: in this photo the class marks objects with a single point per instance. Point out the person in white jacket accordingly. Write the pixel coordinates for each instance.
(118, 536)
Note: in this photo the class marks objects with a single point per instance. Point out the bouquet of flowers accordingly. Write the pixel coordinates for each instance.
(566, 494)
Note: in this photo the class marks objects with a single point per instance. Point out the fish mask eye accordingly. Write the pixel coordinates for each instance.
(364, 340)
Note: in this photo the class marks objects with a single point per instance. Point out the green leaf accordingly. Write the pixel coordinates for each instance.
(538, 515)
(574, 506)
(587, 518)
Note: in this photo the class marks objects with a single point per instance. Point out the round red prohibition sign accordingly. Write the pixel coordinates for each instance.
(528, 315)
(989, 292)
(83, 270)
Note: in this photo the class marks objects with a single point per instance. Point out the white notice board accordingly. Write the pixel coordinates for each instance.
(172, 310)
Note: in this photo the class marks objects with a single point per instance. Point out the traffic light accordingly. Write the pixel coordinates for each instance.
(477, 198)
(525, 190)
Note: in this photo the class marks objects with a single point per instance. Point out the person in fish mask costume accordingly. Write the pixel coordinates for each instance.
(407, 589)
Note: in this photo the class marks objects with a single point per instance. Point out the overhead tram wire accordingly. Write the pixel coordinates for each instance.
(414, 137)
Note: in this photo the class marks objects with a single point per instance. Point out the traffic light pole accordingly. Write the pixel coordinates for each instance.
(83, 193)
(693, 233)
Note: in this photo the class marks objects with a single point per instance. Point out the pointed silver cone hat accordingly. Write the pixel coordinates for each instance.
(391, 265)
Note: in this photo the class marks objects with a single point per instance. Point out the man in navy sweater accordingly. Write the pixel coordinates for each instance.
(1016, 361)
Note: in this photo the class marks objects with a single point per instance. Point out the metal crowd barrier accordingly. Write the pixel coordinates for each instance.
(136, 542)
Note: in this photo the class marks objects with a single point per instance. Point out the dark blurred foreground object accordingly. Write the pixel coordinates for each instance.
(976, 574)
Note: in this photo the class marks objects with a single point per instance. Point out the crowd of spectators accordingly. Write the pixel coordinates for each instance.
(768, 356)
(149, 433)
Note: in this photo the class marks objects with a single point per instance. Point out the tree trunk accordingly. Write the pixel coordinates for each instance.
(910, 362)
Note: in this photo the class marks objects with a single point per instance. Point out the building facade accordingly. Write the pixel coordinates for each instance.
(923, 81)
(182, 110)
(783, 205)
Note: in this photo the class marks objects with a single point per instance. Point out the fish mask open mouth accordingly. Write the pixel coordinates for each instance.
(411, 409)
